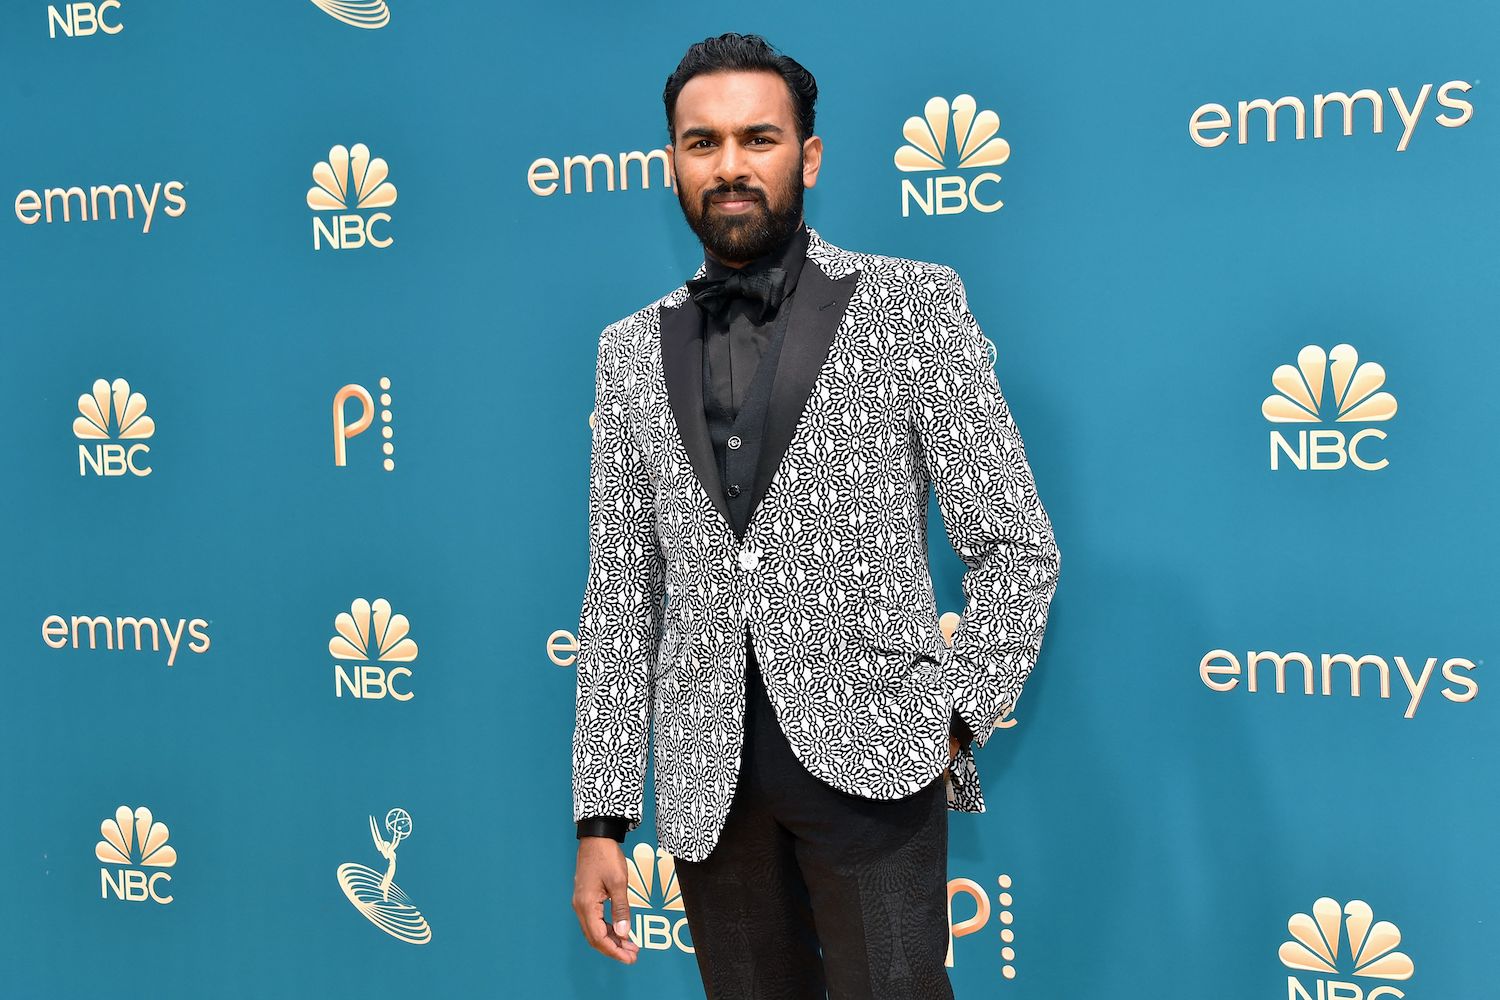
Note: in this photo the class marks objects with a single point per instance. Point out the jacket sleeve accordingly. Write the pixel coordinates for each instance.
(973, 453)
(620, 625)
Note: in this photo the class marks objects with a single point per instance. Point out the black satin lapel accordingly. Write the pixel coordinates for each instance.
(682, 368)
(817, 308)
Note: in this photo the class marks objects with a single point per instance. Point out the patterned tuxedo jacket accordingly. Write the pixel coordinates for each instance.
(885, 385)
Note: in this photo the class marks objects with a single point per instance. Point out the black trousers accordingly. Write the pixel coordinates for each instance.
(811, 892)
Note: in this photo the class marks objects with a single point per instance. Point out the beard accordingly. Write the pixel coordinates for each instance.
(750, 234)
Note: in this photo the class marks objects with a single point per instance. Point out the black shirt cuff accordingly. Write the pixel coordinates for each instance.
(613, 827)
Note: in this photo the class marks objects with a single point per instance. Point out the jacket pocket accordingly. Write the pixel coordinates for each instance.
(898, 634)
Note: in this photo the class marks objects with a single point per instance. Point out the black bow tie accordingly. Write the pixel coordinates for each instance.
(766, 288)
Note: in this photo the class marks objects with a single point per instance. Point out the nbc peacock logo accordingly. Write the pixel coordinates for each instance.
(376, 895)
(951, 136)
(133, 841)
(658, 920)
(1344, 942)
(1328, 387)
(352, 185)
(369, 14)
(379, 643)
(114, 418)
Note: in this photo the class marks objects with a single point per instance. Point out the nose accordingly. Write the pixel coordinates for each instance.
(730, 169)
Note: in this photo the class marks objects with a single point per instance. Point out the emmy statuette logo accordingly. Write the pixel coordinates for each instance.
(351, 184)
(343, 429)
(975, 142)
(1328, 387)
(1356, 946)
(368, 631)
(376, 894)
(121, 446)
(657, 918)
(983, 911)
(133, 842)
(79, 20)
(369, 14)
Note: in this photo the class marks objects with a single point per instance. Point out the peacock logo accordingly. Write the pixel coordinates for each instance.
(129, 409)
(133, 840)
(1331, 386)
(353, 185)
(976, 142)
(350, 178)
(1347, 941)
(109, 415)
(954, 135)
(658, 920)
(368, 632)
(1354, 397)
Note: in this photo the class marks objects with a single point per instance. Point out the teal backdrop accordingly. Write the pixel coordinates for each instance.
(1154, 824)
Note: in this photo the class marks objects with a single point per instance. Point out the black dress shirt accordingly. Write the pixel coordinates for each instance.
(734, 343)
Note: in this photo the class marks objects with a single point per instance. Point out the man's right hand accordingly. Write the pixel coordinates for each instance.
(599, 877)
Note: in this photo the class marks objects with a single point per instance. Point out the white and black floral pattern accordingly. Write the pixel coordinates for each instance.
(831, 577)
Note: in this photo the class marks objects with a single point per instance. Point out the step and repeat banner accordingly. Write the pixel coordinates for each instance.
(301, 303)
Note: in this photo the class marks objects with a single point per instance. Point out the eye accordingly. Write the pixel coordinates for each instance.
(701, 144)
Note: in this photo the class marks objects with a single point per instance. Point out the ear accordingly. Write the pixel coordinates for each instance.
(671, 149)
(812, 160)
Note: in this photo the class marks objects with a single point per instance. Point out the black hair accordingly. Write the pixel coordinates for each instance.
(734, 52)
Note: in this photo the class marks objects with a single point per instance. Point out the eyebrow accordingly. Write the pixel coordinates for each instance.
(705, 132)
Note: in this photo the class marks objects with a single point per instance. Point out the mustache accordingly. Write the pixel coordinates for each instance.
(757, 193)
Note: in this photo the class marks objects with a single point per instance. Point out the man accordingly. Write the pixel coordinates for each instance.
(758, 592)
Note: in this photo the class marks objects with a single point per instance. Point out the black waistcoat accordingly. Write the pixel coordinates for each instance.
(738, 439)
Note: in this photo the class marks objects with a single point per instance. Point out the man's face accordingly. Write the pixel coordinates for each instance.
(737, 164)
